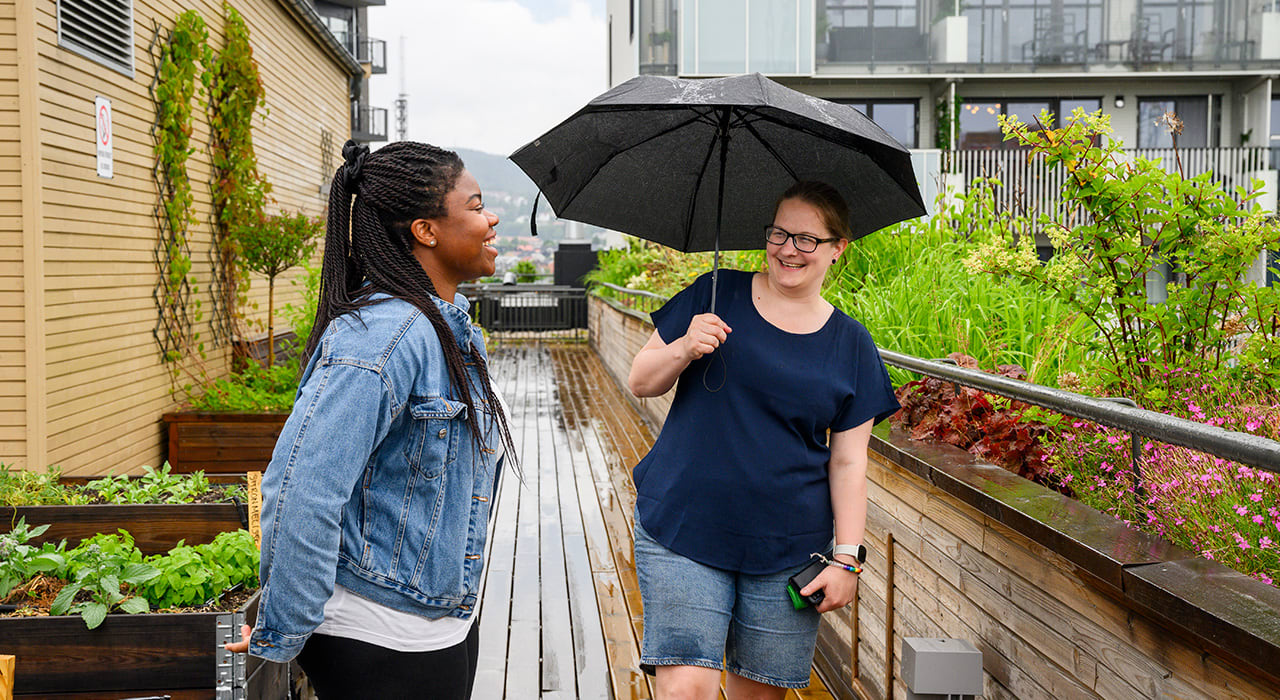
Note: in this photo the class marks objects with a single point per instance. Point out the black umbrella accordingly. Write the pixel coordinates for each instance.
(698, 164)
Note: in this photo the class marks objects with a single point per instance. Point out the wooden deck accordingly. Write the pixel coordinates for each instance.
(561, 613)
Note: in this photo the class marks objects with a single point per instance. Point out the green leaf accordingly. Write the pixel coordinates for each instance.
(135, 605)
(93, 614)
(62, 602)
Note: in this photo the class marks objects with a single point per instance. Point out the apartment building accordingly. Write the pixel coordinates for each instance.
(348, 22)
(937, 74)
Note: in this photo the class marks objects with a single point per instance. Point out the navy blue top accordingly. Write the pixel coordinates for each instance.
(737, 479)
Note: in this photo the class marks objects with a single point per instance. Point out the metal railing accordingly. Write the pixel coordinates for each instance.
(528, 309)
(1031, 185)
(373, 52)
(1244, 448)
(368, 123)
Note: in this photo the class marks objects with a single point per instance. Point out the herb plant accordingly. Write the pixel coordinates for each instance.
(20, 561)
(108, 568)
(193, 575)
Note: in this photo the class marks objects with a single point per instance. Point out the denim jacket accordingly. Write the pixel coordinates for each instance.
(375, 481)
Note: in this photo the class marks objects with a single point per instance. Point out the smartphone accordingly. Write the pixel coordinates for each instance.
(802, 579)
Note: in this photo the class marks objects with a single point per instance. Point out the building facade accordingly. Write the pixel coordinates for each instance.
(82, 379)
(348, 22)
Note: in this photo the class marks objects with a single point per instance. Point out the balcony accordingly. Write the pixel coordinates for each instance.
(368, 124)
(373, 53)
(788, 37)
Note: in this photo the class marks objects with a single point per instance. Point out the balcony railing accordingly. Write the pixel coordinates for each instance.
(374, 53)
(368, 124)
(1031, 184)
(1011, 35)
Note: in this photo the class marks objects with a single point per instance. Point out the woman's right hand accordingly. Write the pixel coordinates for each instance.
(706, 333)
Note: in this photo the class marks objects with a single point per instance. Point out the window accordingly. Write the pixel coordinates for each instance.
(341, 22)
(867, 31)
(726, 37)
(898, 117)
(1033, 31)
(979, 118)
(658, 38)
(101, 30)
(1194, 113)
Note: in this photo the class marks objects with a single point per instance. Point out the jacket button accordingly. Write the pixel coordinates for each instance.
(442, 433)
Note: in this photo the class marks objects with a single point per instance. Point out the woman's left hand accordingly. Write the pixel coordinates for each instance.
(837, 585)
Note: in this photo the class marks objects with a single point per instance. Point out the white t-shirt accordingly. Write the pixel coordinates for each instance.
(349, 616)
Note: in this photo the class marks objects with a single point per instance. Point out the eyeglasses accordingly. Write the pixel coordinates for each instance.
(802, 241)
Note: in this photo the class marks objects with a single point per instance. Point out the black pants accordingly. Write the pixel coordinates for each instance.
(343, 669)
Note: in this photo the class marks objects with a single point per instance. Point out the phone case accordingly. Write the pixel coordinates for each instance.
(801, 579)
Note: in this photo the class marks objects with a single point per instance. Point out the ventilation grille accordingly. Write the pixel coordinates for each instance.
(98, 29)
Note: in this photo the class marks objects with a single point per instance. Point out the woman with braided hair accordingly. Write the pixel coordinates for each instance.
(377, 498)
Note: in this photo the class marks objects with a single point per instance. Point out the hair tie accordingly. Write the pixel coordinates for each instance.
(354, 155)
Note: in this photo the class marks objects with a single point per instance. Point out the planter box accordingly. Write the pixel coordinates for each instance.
(178, 654)
(222, 443)
(156, 528)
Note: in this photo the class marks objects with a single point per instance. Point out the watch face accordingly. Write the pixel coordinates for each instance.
(862, 554)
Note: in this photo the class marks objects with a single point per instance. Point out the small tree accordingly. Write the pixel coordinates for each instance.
(1135, 216)
(526, 272)
(275, 245)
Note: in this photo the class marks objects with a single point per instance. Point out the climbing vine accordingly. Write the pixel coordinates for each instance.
(175, 55)
(239, 193)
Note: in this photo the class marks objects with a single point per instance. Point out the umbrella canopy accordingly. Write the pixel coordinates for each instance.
(698, 164)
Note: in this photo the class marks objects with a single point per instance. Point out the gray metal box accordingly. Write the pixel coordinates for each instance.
(941, 666)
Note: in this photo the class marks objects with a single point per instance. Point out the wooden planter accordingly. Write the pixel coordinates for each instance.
(222, 443)
(156, 528)
(175, 654)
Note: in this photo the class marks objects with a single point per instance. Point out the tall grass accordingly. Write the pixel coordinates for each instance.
(907, 286)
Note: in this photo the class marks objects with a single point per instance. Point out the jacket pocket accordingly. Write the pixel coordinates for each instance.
(438, 425)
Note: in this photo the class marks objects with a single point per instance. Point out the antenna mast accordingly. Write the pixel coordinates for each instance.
(402, 102)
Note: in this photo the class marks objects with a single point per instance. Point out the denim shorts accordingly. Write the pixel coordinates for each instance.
(696, 615)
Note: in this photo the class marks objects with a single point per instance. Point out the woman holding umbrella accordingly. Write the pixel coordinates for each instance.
(377, 498)
(762, 457)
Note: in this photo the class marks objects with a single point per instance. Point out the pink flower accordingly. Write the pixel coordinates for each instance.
(1265, 579)
(1253, 424)
(1241, 510)
(1255, 497)
(1258, 520)
(1265, 543)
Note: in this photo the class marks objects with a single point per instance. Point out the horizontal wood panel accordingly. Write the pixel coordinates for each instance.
(155, 528)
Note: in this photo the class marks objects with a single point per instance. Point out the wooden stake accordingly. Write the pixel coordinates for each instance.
(254, 487)
(7, 664)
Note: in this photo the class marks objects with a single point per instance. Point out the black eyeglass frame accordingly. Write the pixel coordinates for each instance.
(795, 238)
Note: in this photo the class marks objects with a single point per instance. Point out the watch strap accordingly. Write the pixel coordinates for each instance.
(857, 551)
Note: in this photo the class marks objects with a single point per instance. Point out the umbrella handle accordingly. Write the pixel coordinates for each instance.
(533, 218)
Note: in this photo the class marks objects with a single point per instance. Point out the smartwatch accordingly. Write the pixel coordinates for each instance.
(856, 551)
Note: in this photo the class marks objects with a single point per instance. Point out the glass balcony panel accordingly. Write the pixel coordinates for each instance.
(874, 31)
(774, 34)
(722, 30)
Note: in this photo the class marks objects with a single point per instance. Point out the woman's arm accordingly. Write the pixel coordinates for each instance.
(658, 365)
(847, 474)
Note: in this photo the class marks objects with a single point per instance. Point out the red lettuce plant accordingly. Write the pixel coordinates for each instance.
(1001, 431)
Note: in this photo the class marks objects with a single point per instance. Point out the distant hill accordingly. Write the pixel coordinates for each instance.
(496, 173)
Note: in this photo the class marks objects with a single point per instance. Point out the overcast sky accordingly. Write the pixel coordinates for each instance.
(490, 75)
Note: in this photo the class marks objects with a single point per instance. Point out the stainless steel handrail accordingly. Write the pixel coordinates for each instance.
(1244, 448)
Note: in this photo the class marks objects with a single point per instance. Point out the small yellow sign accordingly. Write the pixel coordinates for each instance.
(255, 506)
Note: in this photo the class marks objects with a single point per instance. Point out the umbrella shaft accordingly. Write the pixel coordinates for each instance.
(723, 129)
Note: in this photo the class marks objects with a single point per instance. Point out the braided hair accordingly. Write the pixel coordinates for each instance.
(373, 200)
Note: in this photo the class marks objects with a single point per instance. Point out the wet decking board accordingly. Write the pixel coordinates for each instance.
(561, 615)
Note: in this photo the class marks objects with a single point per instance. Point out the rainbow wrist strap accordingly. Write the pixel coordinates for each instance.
(839, 564)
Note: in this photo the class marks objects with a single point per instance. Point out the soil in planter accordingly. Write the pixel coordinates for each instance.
(34, 598)
(215, 494)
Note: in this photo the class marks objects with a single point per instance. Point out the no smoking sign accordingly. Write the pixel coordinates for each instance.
(102, 142)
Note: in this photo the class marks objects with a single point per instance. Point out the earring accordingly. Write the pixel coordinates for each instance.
(431, 244)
